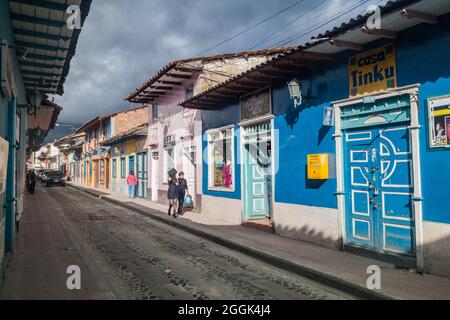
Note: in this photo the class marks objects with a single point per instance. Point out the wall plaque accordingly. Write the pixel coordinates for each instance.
(256, 104)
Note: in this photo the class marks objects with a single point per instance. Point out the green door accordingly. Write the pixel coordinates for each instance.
(257, 172)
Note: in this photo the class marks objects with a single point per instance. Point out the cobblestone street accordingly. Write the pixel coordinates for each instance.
(123, 255)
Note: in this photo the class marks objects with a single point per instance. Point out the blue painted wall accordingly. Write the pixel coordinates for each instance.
(8, 109)
(422, 57)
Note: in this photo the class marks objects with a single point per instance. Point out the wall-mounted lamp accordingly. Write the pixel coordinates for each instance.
(295, 90)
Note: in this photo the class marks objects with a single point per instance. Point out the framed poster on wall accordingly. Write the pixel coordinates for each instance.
(439, 122)
(4, 148)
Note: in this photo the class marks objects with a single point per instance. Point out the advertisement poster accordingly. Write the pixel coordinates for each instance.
(373, 71)
(447, 128)
(4, 147)
(439, 122)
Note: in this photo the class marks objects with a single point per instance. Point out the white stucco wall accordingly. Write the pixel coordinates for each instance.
(312, 224)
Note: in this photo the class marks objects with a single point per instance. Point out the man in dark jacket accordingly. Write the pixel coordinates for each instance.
(31, 181)
(182, 191)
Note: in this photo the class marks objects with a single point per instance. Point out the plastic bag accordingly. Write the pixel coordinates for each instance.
(188, 203)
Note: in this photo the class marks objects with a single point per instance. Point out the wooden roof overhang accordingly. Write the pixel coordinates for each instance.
(44, 44)
(173, 77)
(179, 73)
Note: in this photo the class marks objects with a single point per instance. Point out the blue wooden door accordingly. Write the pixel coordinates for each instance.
(142, 173)
(257, 173)
(131, 167)
(379, 184)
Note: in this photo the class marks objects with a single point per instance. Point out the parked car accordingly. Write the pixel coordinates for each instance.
(55, 178)
(42, 177)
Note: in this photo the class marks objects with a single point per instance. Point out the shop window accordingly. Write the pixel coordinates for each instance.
(221, 159)
(439, 122)
(169, 159)
(123, 168)
(114, 168)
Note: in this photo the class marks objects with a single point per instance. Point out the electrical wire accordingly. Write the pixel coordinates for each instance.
(283, 28)
(251, 27)
(318, 26)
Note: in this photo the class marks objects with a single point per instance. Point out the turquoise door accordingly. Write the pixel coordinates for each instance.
(379, 185)
(142, 173)
(131, 164)
(257, 166)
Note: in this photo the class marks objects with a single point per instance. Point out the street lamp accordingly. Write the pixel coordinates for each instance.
(295, 90)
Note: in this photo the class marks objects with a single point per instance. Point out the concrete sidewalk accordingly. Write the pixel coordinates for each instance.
(339, 269)
(46, 245)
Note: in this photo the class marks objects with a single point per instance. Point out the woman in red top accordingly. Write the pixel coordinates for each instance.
(132, 183)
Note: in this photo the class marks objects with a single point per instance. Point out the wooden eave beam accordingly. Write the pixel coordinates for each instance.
(161, 88)
(153, 92)
(313, 56)
(179, 76)
(424, 17)
(346, 45)
(243, 86)
(186, 70)
(270, 75)
(173, 83)
(380, 32)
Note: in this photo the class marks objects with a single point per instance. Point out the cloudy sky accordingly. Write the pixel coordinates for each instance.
(124, 42)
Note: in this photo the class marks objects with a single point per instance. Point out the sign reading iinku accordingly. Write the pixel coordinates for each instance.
(256, 104)
(373, 70)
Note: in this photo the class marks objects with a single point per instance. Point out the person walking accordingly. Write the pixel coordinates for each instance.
(182, 191)
(172, 195)
(31, 181)
(132, 183)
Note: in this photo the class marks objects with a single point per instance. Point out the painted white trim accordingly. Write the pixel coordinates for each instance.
(353, 160)
(340, 175)
(386, 249)
(413, 91)
(353, 183)
(233, 160)
(247, 123)
(366, 214)
(383, 184)
(397, 153)
(354, 229)
(410, 89)
(417, 178)
(215, 130)
(274, 156)
(349, 135)
(383, 210)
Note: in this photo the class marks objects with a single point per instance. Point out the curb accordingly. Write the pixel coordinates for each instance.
(320, 277)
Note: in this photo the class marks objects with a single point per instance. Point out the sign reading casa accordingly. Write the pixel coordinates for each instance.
(373, 70)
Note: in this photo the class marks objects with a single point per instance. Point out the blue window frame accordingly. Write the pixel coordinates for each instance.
(114, 168)
(123, 168)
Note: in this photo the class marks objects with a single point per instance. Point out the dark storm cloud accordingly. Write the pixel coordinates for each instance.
(124, 42)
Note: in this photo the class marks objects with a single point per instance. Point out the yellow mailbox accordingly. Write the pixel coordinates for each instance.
(318, 168)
